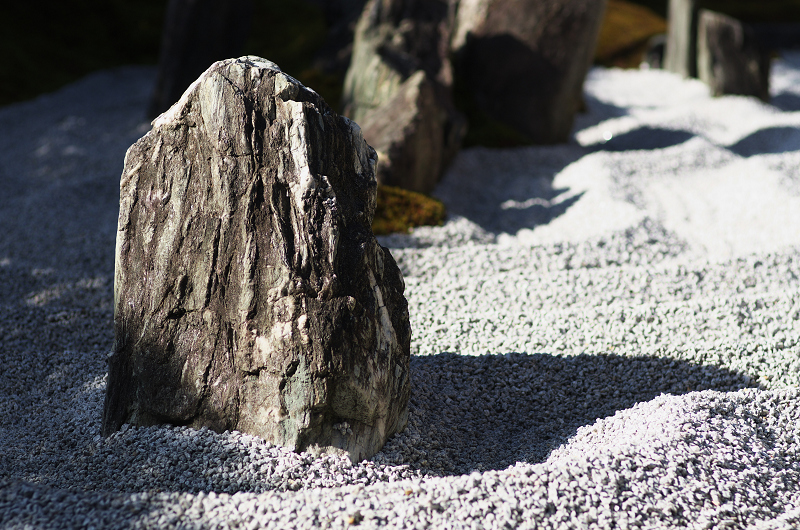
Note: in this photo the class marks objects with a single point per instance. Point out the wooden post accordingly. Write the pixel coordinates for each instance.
(681, 51)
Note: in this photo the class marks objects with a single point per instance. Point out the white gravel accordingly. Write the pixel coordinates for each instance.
(606, 334)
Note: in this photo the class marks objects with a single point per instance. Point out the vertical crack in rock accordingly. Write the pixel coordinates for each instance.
(250, 293)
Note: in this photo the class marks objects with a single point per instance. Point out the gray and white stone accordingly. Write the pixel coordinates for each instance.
(250, 293)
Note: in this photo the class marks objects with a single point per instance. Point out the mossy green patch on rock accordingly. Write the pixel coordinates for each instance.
(399, 210)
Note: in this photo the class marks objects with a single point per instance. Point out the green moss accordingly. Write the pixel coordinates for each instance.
(399, 210)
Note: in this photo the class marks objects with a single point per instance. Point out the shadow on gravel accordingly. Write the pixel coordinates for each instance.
(488, 412)
(644, 138)
(521, 194)
(515, 215)
(786, 102)
(596, 112)
(772, 140)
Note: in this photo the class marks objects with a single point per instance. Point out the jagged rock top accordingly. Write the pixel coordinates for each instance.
(250, 293)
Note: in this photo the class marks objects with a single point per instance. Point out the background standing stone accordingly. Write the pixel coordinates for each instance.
(398, 87)
(250, 293)
(524, 62)
(729, 58)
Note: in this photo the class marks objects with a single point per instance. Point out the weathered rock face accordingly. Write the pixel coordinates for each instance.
(394, 39)
(524, 61)
(400, 65)
(408, 132)
(250, 293)
(729, 58)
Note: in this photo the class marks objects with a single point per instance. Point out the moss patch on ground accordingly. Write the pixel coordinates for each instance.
(400, 210)
(627, 28)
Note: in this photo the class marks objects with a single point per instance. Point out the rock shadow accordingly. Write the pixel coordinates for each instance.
(489, 412)
(772, 140)
(644, 138)
(517, 193)
(466, 413)
(786, 101)
(595, 112)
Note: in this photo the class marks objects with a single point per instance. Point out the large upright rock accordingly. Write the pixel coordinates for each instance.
(249, 291)
(729, 58)
(524, 61)
(399, 80)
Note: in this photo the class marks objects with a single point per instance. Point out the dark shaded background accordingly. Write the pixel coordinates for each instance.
(49, 43)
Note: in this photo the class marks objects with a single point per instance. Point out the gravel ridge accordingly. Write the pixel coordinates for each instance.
(606, 336)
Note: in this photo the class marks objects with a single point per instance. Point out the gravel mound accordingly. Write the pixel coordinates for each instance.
(606, 334)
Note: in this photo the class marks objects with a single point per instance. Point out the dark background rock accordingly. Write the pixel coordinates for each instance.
(394, 39)
(729, 57)
(197, 33)
(398, 86)
(728, 44)
(250, 293)
(333, 57)
(524, 62)
(408, 132)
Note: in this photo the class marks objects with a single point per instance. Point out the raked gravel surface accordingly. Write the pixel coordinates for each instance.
(606, 334)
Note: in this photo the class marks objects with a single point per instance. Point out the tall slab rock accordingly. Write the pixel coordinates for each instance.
(524, 61)
(250, 293)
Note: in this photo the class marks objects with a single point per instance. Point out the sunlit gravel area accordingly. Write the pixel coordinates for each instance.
(606, 334)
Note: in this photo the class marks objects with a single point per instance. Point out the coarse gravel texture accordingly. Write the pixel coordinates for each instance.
(606, 334)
